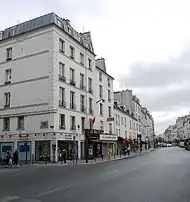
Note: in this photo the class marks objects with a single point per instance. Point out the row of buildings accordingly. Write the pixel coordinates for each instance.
(53, 89)
(179, 131)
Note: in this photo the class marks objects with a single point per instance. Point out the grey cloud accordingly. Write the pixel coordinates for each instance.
(158, 74)
(169, 101)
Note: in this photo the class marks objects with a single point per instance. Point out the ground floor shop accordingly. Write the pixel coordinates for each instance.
(39, 148)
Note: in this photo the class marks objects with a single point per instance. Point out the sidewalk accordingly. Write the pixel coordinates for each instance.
(94, 161)
(80, 162)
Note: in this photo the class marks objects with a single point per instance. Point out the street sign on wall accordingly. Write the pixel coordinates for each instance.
(108, 137)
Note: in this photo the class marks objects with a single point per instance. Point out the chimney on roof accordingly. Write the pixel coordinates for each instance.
(68, 21)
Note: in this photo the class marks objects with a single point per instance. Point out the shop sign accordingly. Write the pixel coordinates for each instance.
(108, 137)
(23, 136)
(110, 119)
(68, 137)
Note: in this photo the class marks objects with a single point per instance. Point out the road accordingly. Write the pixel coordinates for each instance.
(161, 175)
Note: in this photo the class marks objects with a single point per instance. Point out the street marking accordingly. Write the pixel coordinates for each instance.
(9, 198)
(54, 190)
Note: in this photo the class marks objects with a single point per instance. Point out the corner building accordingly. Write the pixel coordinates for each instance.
(47, 88)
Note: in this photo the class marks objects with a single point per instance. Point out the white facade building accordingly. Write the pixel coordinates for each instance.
(125, 123)
(48, 91)
(104, 98)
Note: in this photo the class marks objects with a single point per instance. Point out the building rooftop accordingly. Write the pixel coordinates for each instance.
(101, 65)
(49, 19)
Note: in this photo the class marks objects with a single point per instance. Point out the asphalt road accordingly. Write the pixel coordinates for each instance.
(159, 176)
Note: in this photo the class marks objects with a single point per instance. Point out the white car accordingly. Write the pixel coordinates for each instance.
(169, 145)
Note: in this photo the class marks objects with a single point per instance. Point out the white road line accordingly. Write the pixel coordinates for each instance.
(9, 198)
(51, 191)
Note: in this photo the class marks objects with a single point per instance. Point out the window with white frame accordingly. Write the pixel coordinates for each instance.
(72, 52)
(7, 99)
(61, 69)
(9, 54)
(62, 121)
(8, 76)
(81, 58)
(20, 124)
(6, 123)
(61, 45)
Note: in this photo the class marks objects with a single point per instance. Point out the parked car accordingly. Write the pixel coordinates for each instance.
(169, 145)
(164, 144)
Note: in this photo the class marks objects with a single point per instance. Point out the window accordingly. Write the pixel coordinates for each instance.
(100, 76)
(109, 82)
(6, 123)
(125, 122)
(72, 77)
(62, 121)
(121, 120)
(61, 45)
(81, 81)
(90, 85)
(101, 125)
(82, 124)
(73, 125)
(130, 125)
(109, 111)
(109, 96)
(89, 63)
(82, 97)
(61, 69)
(7, 76)
(110, 128)
(101, 109)
(118, 120)
(125, 133)
(9, 54)
(81, 58)
(62, 97)
(20, 125)
(100, 91)
(72, 52)
(90, 106)
(72, 100)
(7, 99)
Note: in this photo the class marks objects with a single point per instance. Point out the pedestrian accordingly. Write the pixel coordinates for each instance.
(128, 150)
(64, 154)
(8, 156)
(61, 157)
(15, 158)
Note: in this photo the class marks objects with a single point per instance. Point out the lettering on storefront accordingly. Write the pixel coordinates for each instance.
(108, 137)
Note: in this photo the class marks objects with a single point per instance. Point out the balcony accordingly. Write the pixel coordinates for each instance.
(91, 111)
(82, 108)
(62, 127)
(62, 104)
(72, 82)
(62, 78)
(90, 90)
(72, 106)
(73, 127)
(7, 82)
(82, 87)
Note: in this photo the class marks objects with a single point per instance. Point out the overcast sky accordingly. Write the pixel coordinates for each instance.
(146, 44)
